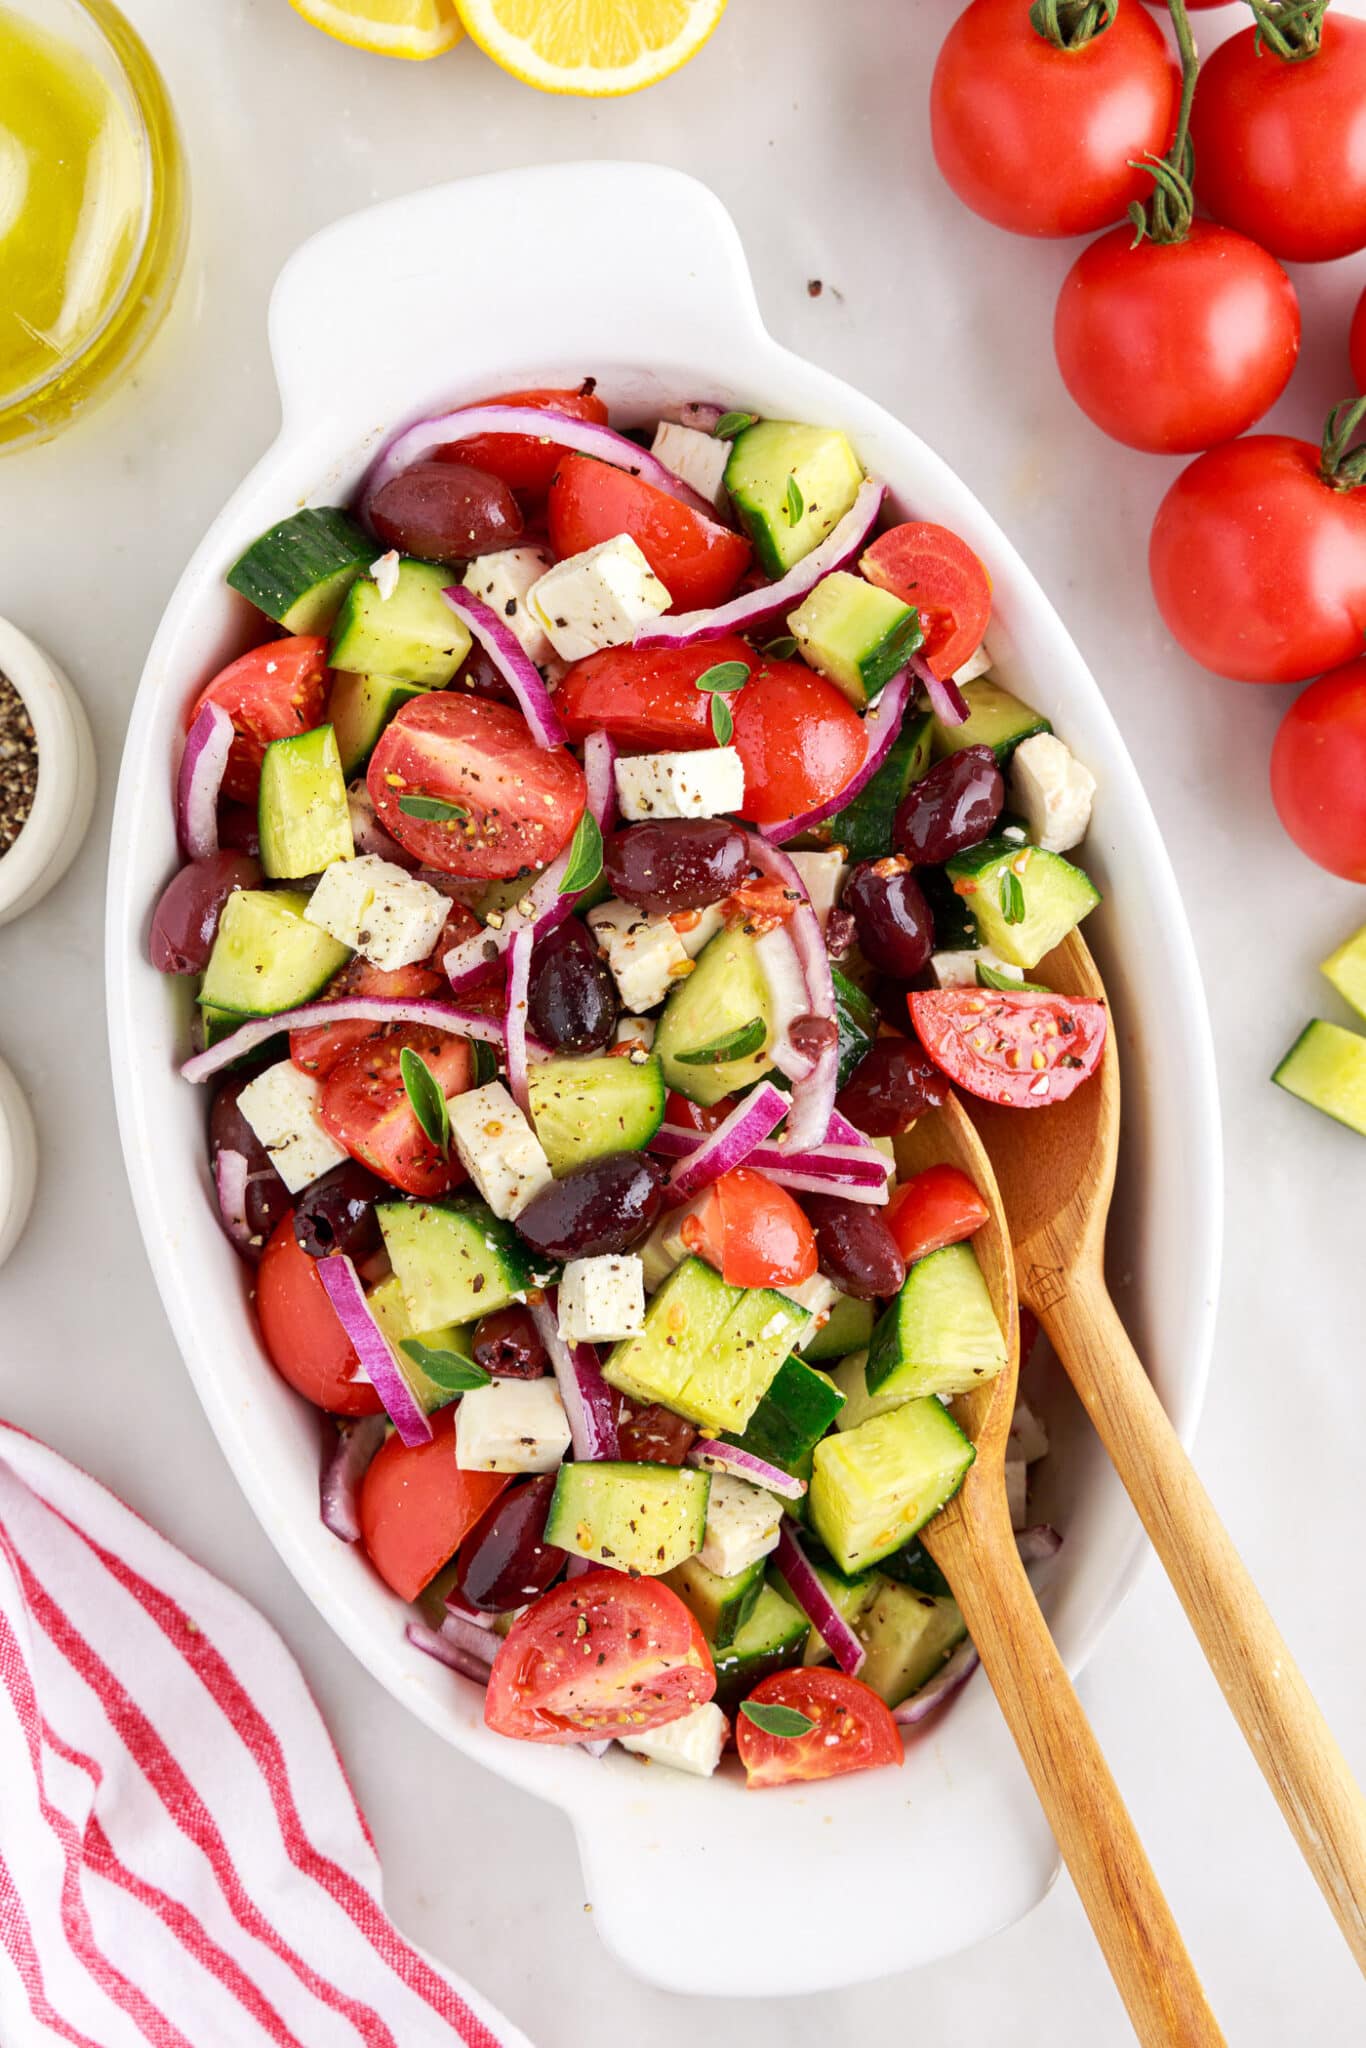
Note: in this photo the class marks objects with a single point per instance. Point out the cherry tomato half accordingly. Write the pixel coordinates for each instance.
(365, 1106)
(514, 804)
(521, 460)
(1318, 771)
(853, 1731)
(751, 1231)
(417, 1506)
(647, 700)
(698, 561)
(799, 738)
(937, 1207)
(319, 1049)
(1026, 1049)
(270, 693)
(602, 1654)
(929, 567)
(302, 1332)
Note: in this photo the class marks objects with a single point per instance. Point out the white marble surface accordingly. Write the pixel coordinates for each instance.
(810, 122)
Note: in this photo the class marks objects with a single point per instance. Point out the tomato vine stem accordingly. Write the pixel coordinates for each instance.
(1071, 24)
(1168, 213)
(1292, 28)
(1342, 467)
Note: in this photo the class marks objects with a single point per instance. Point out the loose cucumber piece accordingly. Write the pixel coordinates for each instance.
(412, 635)
(908, 1636)
(302, 814)
(583, 1108)
(995, 719)
(1024, 901)
(722, 1605)
(856, 1020)
(847, 1328)
(772, 1639)
(798, 1407)
(790, 485)
(865, 825)
(455, 1261)
(855, 634)
(267, 957)
(301, 570)
(636, 1518)
(1325, 1067)
(874, 1486)
(725, 992)
(940, 1335)
(1346, 969)
(358, 709)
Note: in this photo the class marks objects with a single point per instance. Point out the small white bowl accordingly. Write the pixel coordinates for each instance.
(18, 1161)
(65, 795)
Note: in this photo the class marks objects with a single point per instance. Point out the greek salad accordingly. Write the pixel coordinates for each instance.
(609, 843)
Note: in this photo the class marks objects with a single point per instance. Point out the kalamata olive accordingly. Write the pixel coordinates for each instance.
(893, 1084)
(268, 1199)
(336, 1212)
(509, 1345)
(676, 863)
(855, 1248)
(445, 512)
(239, 828)
(603, 1206)
(951, 808)
(895, 926)
(652, 1435)
(572, 1003)
(503, 1561)
(481, 678)
(185, 921)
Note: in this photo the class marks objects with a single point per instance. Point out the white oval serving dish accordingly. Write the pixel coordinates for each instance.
(638, 278)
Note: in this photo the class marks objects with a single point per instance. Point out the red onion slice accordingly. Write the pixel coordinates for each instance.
(881, 724)
(814, 1083)
(231, 1172)
(589, 1403)
(757, 607)
(423, 1010)
(513, 664)
(713, 1456)
(433, 1643)
(815, 1603)
(556, 429)
(731, 1143)
(343, 1471)
(831, 1165)
(947, 701)
(848, 1190)
(514, 1016)
(946, 1681)
(478, 1642)
(341, 1284)
(202, 768)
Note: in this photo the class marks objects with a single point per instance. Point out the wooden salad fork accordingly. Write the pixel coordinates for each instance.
(972, 1542)
(1056, 1174)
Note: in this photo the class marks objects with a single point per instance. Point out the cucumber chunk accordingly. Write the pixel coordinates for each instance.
(777, 469)
(798, 1407)
(913, 1566)
(908, 1637)
(856, 635)
(865, 825)
(955, 927)
(1346, 969)
(267, 957)
(390, 1311)
(1024, 901)
(358, 709)
(995, 719)
(455, 1261)
(411, 635)
(1325, 1067)
(874, 1486)
(300, 571)
(725, 991)
(849, 1597)
(847, 1328)
(772, 1639)
(722, 1606)
(583, 1108)
(708, 1351)
(303, 817)
(728, 1382)
(940, 1335)
(850, 1377)
(856, 1020)
(637, 1518)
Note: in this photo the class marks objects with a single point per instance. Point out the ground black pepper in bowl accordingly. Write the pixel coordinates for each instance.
(18, 764)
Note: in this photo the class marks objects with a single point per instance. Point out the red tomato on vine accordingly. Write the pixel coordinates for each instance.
(1318, 771)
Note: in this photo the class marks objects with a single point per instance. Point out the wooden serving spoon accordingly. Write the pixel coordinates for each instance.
(1056, 1172)
(972, 1542)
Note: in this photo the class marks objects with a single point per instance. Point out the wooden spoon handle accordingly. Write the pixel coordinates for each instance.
(1124, 1903)
(1279, 1716)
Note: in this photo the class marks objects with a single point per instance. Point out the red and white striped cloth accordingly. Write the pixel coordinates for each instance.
(182, 1860)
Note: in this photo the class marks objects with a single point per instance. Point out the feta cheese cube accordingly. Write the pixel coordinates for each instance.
(1028, 1440)
(700, 459)
(281, 1105)
(384, 569)
(498, 1148)
(817, 1296)
(823, 876)
(742, 1525)
(664, 1248)
(386, 915)
(601, 1299)
(511, 1426)
(1052, 790)
(647, 955)
(706, 784)
(693, 1743)
(977, 664)
(959, 970)
(635, 1031)
(600, 598)
(504, 582)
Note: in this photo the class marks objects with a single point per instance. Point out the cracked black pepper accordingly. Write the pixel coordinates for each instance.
(18, 764)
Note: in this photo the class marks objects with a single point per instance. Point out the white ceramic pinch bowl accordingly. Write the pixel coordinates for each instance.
(65, 794)
(696, 1885)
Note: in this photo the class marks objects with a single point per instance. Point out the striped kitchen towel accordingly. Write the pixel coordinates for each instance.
(182, 1860)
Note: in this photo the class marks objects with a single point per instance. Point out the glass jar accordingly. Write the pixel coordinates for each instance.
(92, 209)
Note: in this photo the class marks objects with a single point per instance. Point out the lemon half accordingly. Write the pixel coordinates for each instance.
(389, 28)
(593, 47)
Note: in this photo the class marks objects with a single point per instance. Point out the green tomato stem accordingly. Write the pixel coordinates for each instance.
(1071, 24)
(1292, 29)
(1342, 467)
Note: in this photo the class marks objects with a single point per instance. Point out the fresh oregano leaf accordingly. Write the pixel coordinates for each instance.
(456, 1375)
(733, 1045)
(785, 1722)
(423, 1090)
(796, 503)
(1012, 897)
(732, 423)
(431, 808)
(726, 675)
(585, 856)
(722, 724)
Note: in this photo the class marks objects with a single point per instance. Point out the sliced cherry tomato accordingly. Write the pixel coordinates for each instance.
(853, 1731)
(696, 1116)
(1027, 1048)
(602, 1654)
(647, 700)
(937, 1207)
(521, 460)
(1318, 771)
(799, 738)
(417, 1506)
(365, 1106)
(319, 1049)
(514, 805)
(698, 561)
(752, 1231)
(302, 1332)
(270, 693)
(929, 567)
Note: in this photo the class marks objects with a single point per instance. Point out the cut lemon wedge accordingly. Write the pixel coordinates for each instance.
(590, 46)
(389, 28)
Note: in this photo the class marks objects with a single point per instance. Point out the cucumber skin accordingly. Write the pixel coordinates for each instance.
(285, 932)
(865, 825)
(318, 549)
(856, 1020)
